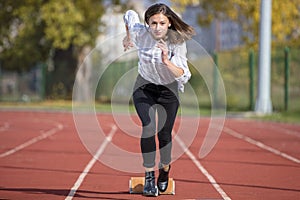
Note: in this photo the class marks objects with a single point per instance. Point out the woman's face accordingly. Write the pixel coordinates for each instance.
(159, 25)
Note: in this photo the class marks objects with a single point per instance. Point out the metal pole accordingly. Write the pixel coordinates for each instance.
(251, 79)
(286, 77)
(215, 80)
(263, 102)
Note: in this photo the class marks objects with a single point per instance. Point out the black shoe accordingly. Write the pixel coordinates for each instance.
(163, 179)
(149, 186)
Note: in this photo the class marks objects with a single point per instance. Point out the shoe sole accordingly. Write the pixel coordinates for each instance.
(152, 194)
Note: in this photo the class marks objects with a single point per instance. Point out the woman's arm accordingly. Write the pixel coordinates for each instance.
(132, 22)
(127, 44)
(177, 71)
(177, 64)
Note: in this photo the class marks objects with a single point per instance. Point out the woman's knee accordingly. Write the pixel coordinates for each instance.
(148, 130)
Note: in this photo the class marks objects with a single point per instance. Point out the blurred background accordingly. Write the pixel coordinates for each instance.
(43, 44)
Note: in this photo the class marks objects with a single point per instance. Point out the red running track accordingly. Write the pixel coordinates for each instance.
(42, 157)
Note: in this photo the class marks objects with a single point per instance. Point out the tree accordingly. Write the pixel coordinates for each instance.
(30, 28)
(285, 17)
(21, 37)
(34, 31)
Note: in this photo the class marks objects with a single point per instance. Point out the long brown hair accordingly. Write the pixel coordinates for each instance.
(180, 31)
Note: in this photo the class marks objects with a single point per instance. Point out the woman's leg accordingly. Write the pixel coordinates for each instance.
(166, 117)
(145, 107)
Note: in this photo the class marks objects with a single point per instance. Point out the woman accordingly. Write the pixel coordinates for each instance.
(162, 71)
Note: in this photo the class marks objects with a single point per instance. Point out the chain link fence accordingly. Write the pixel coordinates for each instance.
(234, 67)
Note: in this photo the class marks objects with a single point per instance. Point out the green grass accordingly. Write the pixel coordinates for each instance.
(42, 105)
(283, 117)
(292, 116)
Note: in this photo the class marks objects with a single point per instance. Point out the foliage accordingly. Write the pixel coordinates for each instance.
(285, 17)
(21, 37)
(31, 28)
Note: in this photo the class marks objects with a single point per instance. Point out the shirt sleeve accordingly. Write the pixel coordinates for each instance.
(131, 19)
(180, 60)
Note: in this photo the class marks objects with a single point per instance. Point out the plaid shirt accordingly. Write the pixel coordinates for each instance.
(150, 65)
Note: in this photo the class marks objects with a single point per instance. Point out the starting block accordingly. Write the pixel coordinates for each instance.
(136, 186)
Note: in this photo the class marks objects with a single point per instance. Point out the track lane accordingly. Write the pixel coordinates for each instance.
(49, 168)
(4, 127)
(15, 136)
(246, 171)
(104, 182)
(91, 163)
(210, 178)
(44, 169)
(32, 141)
(280, 136)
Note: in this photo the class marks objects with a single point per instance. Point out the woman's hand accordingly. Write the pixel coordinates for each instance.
(127, 44)
(165, 52)
(177, 71)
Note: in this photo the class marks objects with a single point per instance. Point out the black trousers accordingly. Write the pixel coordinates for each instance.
(153, 100)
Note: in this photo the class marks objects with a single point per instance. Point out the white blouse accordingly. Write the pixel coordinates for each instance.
(150, 65)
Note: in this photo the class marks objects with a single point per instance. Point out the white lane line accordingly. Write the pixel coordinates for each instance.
(260, 144)
(5, 127)
(202, 169)
(33, 140)
(91, 163)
